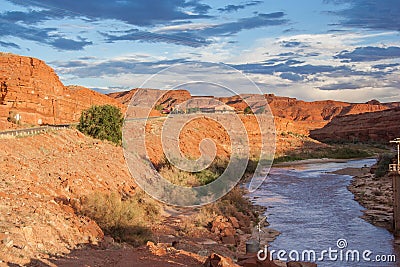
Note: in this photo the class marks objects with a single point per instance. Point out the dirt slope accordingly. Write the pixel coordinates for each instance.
(40, 177)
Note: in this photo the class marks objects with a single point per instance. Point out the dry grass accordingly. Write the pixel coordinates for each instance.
(126, 220)
(233, 204)
(178, 177)
(191, 179)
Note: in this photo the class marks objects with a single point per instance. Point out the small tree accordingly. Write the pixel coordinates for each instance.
(102, 122)
(247, 110)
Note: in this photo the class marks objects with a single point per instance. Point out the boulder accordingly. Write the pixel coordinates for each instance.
(216, 260)
(234, 221)
(229, 240)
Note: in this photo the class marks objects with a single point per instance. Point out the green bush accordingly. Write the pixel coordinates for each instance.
(247, 110)
(102, 122)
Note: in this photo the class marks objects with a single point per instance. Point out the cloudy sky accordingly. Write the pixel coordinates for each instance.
(313, 49)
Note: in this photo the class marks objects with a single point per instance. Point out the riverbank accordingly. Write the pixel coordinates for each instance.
(182, 236)
(374, 194)
(307, 161)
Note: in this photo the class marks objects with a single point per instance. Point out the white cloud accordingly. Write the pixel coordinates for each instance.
(183, 27)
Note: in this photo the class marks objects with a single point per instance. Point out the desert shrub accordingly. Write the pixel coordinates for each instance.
(236, 199)
(206, 176)
(12, 117)
(247, 110)
(125, 220)
(235, 204)
(383, 164)
(178, 177)
(347, 153)
(158, 107)
(183, 178)
(203, 177)
(215, 170)
(102, 122)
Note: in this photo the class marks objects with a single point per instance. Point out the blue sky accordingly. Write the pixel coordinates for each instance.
(316, 49)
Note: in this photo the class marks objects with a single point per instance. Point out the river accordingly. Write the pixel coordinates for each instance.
(313, 209)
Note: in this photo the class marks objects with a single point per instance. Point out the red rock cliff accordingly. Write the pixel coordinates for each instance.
(32, 89)
(380, 126)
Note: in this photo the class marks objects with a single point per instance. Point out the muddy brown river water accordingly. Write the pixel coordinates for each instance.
(319, 220)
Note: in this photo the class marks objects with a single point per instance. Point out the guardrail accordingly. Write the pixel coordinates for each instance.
(45, 128)
(32, 131)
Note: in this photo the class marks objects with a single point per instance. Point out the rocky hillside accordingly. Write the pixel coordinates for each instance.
(41, 178)
(380, 126)
(31, 89)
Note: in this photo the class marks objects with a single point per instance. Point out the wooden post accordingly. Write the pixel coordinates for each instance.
(396, 206)
(396, 191)
(398, 157)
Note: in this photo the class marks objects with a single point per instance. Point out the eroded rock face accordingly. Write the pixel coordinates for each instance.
(381, 126)
(32, 89)
(316, 113)
(168, 99)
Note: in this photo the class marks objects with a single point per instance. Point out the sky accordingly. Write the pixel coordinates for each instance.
(345, 50)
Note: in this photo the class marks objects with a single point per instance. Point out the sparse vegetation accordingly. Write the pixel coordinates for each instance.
(158, 107)
(125, 220)
(383, 164)
(338, 152)
(203, 177)
(191, 179)
(102, 122)
(232, 204)
(247, 110)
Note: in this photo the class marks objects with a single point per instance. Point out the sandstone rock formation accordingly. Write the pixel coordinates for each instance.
(288, 111)
(32, 89)
(381, 126)
(167, 100)
(293, 119)
(316, 111)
